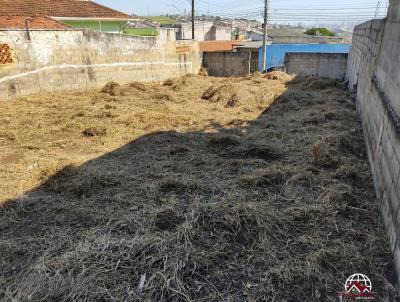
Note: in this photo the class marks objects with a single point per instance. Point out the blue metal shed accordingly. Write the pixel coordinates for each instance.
(276, 52)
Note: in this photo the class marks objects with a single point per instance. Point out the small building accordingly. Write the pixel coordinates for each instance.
(230, 58)
(75, 13)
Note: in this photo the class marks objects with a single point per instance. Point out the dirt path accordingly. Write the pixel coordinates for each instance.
(203, 189)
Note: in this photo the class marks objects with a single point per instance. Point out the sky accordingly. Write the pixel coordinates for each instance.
(281, 11)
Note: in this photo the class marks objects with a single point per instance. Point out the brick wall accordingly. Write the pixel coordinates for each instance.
(373, 72)
(322, 65)
(63, 60)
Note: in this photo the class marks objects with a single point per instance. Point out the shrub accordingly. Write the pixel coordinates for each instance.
(319, 31)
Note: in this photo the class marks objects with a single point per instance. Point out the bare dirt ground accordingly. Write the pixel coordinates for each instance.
(201, 189)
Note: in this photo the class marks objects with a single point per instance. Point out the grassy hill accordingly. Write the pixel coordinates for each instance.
(141, 31)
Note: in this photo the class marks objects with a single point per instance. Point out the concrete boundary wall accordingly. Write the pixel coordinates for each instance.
(319, 65)
(227, 64)
(64, 60)
(373, 73)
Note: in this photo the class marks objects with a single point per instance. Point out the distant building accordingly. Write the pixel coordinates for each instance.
(204, 31)
(289, 36)
(256, 35)
(75, 13)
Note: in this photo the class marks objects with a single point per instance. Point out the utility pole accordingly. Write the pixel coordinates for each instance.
(193, 19)
(264, 58)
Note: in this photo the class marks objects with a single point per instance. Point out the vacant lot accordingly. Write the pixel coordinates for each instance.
(201, 189)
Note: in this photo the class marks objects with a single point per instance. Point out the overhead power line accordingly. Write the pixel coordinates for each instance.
(352, 12)
(306, 14)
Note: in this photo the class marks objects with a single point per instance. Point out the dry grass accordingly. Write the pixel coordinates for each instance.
(256, 191)
(39, 130)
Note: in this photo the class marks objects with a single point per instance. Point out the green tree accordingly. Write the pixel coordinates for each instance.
(319, 31)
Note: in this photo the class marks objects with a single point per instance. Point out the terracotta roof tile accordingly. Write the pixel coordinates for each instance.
(210, 46)
(18, 22)
(59, 8)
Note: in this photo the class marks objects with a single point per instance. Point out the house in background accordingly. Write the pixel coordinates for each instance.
(274, 33)
(75, 13)
(204, 30)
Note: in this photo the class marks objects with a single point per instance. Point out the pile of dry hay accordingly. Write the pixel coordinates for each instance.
(224, 209)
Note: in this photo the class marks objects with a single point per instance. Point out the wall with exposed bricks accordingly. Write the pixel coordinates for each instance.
(319, 65)
(373, 72)
(64, 60)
